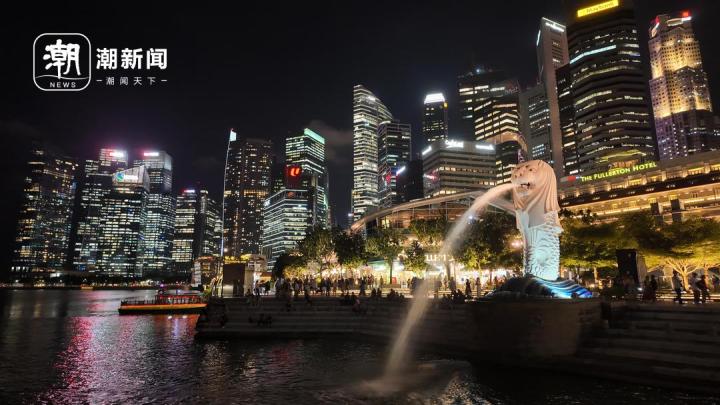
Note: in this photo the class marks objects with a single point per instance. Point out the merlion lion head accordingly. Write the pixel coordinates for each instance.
(535, 184)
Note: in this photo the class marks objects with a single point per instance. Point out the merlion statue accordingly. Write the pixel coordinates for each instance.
(536, 212)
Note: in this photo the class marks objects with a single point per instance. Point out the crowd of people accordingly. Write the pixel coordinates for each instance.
(697, 285)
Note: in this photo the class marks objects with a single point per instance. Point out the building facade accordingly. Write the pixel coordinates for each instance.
(368, 113)
(612, 121)
(410, 181)
(307, 151)
(435, 118)
(684, 121)
(288, 215)
(394, 152)
(535, 123)
(452, 166)
(197, 230)
(670, 189)
(96, 184)
(247, 185)
(160, 212)
(123, 224)
(473, 88)
(42, 241)
(552, 53)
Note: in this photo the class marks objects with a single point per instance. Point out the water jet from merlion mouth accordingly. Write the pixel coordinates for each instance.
(400, 349)
(535, 207)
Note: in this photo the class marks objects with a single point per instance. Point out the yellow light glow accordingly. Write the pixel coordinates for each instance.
(597, 8)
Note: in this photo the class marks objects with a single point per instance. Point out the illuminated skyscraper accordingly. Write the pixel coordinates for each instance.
(160, 220)
(43, 232)
(453, 166)
(539, 104)
(196, 228)
(474, 88)
(497, 121)
(288, 216)
(308, 152)
(247, 184)
(498, 113)
(609, 88)
(535, 122)
(123, 220)
(684, 122)
(567, 120)
(368, 113)
(393, 153)
(95, 185)
(435, 118)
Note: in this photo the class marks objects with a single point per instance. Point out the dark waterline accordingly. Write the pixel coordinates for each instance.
(72, 347)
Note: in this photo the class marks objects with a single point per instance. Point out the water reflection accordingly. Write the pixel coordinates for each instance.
(72, 347)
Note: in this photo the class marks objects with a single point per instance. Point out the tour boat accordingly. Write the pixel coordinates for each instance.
(164, 303)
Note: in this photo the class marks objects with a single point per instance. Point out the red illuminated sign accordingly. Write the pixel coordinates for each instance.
(293, 174)
(294, 171)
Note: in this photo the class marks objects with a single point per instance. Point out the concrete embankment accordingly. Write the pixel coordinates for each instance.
(488, 330)
(653, 344)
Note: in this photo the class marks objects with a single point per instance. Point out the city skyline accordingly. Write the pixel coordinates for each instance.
(42, 114)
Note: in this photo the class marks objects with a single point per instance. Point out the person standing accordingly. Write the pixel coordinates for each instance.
(653, 288)
(694, 287)
(703, 287)
(677, 286)
(468, 289)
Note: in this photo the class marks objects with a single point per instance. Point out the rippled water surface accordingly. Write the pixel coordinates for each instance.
(72, 347)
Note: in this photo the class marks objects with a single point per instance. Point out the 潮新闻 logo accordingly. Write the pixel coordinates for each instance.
(62, 62)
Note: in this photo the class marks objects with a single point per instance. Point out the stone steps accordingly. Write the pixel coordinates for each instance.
(657, 344)
(662, 335)
(678, 347)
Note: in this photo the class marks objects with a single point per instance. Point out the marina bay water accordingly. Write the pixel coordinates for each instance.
(59, 346)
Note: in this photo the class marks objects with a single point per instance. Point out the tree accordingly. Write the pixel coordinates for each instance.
(386, 243)
(415, 259)
(349, 248)
(429, 232)
(489, 243)
(287, 265)
(685, 246)
(317, 246)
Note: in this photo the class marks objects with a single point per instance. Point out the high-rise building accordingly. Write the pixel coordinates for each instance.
(497, 121)
(196, 228)
(613, 126)
(452, 166)
(497, 114)
(160, 211)
(435, 118)
(474, 87)
(96, 184)
(410, 181)
(535, 123)
(123, 220)
(368, 113)
(552, 53)
(307, 151)
(288, 216)
(247, 184)
(684, 122)
(394, 151)
(510, 150)
(277, 175)
(43, 231)
(567, 120)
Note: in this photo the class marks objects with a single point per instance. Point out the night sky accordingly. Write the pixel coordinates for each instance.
(268, 72)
